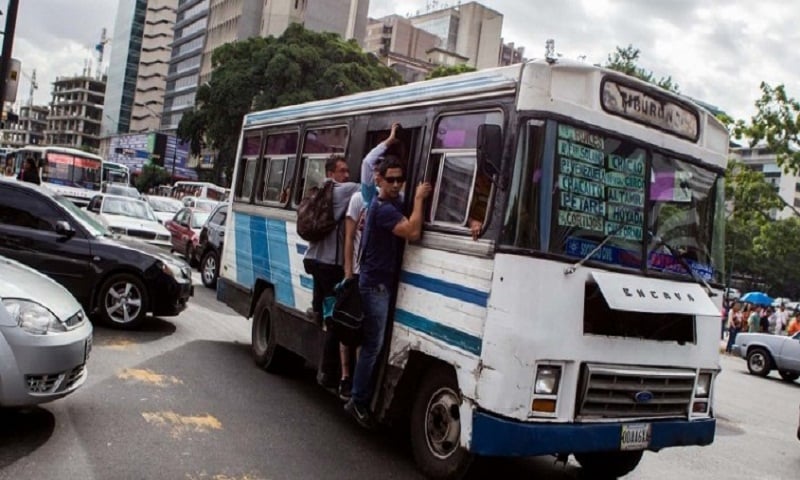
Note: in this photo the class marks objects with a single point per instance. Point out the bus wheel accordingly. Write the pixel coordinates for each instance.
(436, 427)
(266, 352)
(608, 464)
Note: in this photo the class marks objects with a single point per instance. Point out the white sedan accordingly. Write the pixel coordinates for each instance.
(45, 338)
(165, 208)
(131, 218)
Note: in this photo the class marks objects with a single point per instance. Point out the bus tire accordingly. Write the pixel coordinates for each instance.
(436, 427)
(266, 352)
(608, 464)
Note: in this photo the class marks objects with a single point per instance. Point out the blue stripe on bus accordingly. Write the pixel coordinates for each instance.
(244, 254)
(301, 248)
(281, 268)
(390, 96)
(306, 282)
(448, 289)
(449, 335)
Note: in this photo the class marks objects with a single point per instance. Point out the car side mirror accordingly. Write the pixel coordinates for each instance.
(64, 229)
(490, 150)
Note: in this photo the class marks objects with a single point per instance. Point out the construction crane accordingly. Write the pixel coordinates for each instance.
(34, 85)
(100, 47)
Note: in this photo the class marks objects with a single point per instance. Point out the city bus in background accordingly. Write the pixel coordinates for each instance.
(578, 323)
(70, 172)
(116, 173)
(206, 190)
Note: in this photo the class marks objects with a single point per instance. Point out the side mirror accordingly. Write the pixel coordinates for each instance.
(490, 149)
(64, 229)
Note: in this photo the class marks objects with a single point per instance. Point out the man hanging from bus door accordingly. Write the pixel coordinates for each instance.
(323, 261)
(385, 227)
(354, 223)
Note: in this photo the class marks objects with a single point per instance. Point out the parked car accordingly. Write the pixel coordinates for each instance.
(209, 248)
(165, 208)
(130, 217)
(116, 280)
(122, 190)
(765, 352)
(184, 231)
(45, 338)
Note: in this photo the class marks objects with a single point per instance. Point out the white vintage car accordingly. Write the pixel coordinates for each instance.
(765, 352)
(130, 217)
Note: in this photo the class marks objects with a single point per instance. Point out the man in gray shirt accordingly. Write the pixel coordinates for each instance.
(324, 260)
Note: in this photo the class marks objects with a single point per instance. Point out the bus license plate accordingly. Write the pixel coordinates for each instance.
(635, 436)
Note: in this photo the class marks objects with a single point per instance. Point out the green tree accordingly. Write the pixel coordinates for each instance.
(263, 73)
(626, 59)
(151, 176)
(777, 124)
(447, 70)
(778, 255)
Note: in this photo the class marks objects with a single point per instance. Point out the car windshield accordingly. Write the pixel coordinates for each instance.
(205, 206)
(94, 227)
(128, 208)
(199, 219)
(122, 190)
(165, 204)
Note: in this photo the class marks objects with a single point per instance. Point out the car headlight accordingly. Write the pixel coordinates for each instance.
(703, 388)
(33, 317)
(547, 379)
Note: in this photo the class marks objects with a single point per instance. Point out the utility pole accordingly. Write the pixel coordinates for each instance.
(8, 46)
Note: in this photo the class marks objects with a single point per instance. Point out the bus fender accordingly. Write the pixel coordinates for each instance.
(258, 288)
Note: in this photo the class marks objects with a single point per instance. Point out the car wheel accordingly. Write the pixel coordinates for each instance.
(436, 427)
(788, 376)
(266, 352)
(209, 269)
(123, 301)
(609, 464)
(759, 362)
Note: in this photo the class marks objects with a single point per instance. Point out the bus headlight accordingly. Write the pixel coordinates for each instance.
(703, 388)
(547, 379)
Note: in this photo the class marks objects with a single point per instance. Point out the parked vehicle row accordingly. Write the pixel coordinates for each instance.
(130, 217)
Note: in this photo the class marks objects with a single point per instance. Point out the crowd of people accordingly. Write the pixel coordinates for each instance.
(366, 251)
(748, 318)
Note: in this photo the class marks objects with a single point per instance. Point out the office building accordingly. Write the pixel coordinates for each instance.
(151, 78)
(786, 184)
(76, 111)
(126, 46)
(510, 54)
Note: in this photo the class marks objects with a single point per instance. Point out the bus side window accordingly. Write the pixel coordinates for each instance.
(247, 167)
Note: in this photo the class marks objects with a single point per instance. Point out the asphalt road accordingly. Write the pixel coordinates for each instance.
(182, 399)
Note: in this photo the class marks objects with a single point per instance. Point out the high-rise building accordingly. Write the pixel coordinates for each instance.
(510, 54)
(28, 127)
(151, 79)
(126, 46)
(76, 111)
(786, 184)
(229, 21)
(183, 73)
(471, 30)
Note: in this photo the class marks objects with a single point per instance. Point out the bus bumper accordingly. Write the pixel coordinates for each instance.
(495, 436)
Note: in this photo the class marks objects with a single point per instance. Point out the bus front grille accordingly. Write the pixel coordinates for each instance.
(608, 391)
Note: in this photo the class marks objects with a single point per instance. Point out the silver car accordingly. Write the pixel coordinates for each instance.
(45, 338)
(765, 352)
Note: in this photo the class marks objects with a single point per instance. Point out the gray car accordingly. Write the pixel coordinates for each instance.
(765, 352)
(45, 338)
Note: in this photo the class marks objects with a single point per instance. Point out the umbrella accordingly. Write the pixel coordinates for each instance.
(756, 298)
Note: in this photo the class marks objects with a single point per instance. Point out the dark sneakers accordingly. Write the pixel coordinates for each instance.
(361, 414)
(345, 385)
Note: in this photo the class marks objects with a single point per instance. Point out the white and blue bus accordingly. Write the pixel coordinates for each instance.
(116, 173)
(579, 323)
(70, 172)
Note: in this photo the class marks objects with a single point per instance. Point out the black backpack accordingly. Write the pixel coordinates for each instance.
(315, 219)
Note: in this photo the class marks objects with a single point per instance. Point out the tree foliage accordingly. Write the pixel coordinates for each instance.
(626, 59)
(776, 124)
(151, 176)
(447, 70)
(263, 73)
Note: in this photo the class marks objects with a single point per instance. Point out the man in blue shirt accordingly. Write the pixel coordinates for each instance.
(385, 228)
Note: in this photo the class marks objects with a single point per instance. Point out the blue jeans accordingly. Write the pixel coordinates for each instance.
(375, 306)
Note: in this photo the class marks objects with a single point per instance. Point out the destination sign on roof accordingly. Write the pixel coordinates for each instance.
(650, 109)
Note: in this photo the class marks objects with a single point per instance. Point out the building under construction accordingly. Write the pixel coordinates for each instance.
(76, 112)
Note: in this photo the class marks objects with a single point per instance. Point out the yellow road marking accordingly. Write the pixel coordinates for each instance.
(148, 376)
(222, 476)
(116, 344)
(180, 425)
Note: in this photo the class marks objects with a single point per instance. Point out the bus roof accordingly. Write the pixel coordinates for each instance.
(490, 82)
(66, 150)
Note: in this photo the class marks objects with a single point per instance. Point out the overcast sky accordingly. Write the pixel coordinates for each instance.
(718, 51)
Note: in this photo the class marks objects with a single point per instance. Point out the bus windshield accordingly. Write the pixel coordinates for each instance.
(71, 170)
(115, 173)
(647, 206)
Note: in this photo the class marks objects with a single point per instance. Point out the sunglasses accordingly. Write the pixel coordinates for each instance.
(394, 179)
